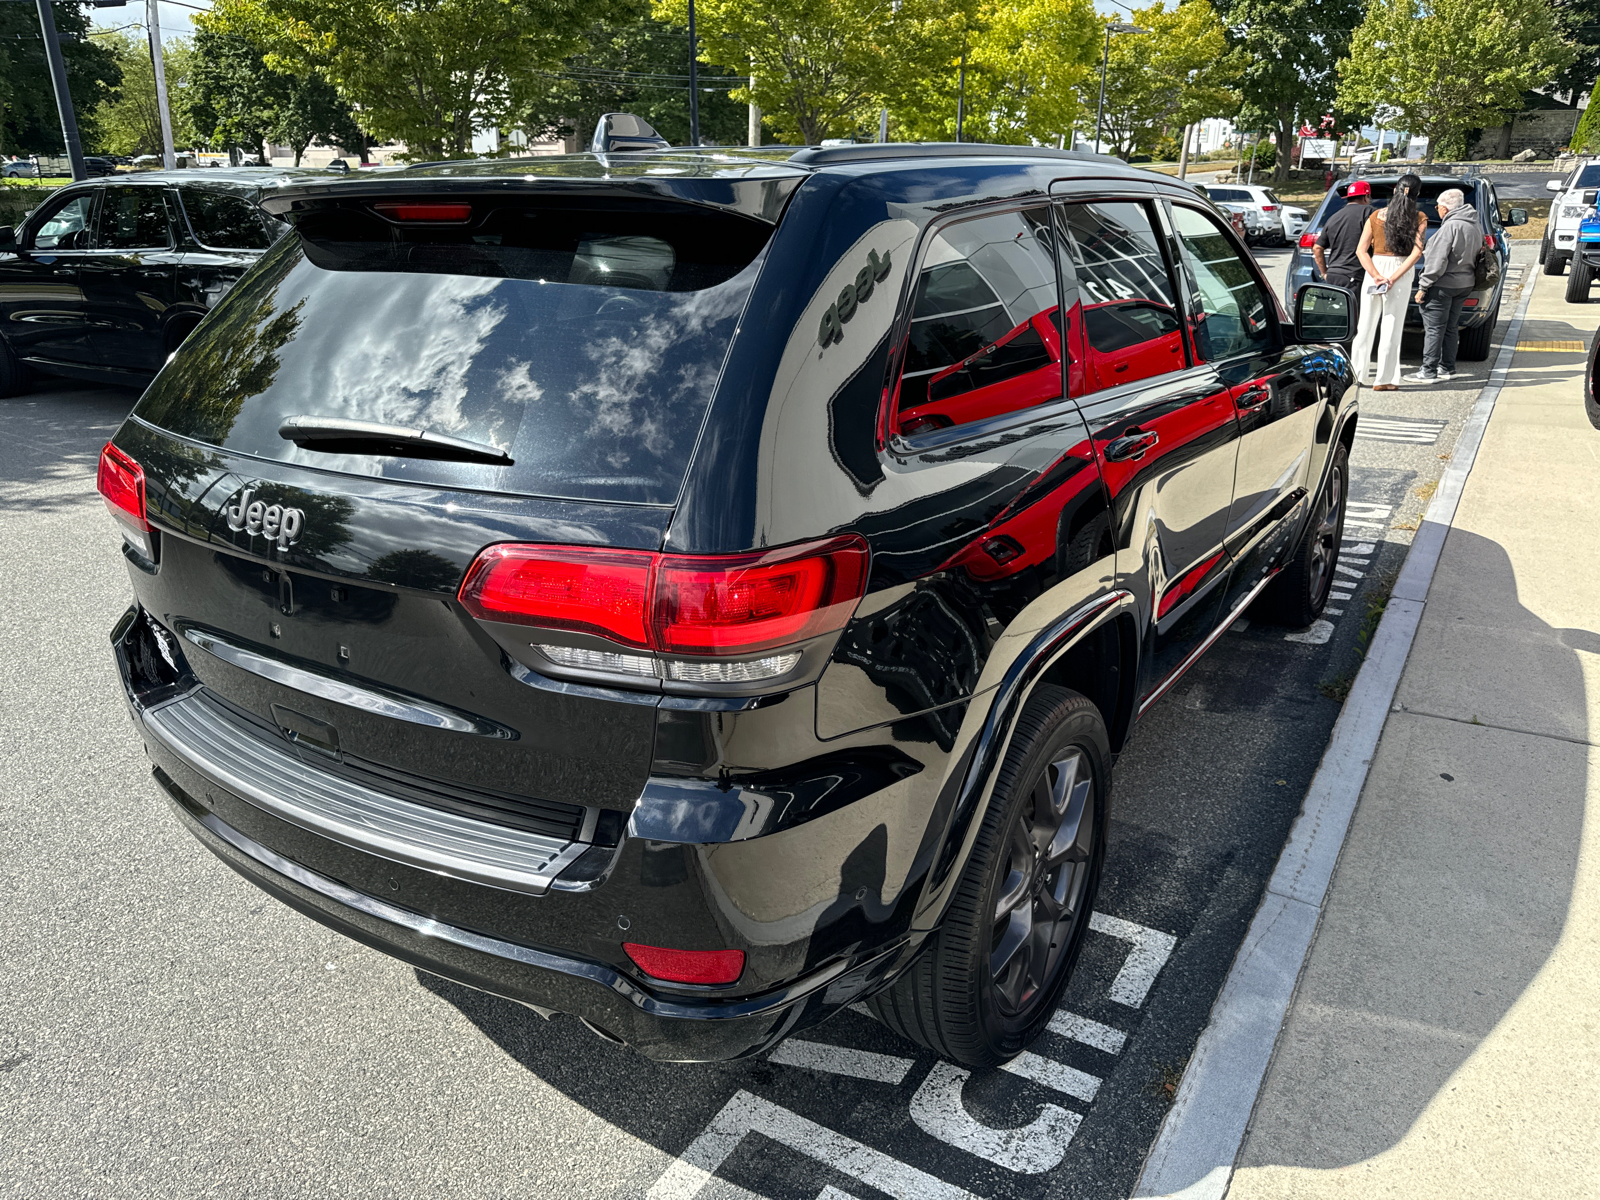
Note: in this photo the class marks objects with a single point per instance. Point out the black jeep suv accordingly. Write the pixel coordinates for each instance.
(694, 591)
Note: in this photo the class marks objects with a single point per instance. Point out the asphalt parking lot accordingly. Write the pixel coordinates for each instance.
(168, 1030)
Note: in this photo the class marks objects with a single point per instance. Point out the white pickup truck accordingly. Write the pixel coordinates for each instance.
(1576, 193)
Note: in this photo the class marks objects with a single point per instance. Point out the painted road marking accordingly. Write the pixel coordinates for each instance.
(1373, 512)
(1151, 949)
(1316, 635)
(1339, 569)
(1031, 1150)
(1561, 346)
(1421, 430)
(747, 1113)
(1359, 548)
(1090, 1033)
(1058, 1076)
(840, 1060)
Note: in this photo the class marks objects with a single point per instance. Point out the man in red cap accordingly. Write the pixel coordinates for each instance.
(1335, 250)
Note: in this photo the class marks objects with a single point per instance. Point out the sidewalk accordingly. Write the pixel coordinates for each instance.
(1444, 1039)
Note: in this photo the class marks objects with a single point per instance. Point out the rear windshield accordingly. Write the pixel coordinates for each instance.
(583, 342)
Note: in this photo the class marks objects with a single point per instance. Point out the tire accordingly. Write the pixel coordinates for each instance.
(1591, 406)
(1474, 343)
(1554, 263)
(1300, 592)
(1579, 280)
(13, 375)
(1544, 249)
(1012, 907)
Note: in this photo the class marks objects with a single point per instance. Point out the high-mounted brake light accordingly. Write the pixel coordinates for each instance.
(431, 211)
(120, 481)
(687, 966)
(1307, 240)
(716, 606)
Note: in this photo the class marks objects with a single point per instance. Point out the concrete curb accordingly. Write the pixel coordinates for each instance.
(1193, 1155)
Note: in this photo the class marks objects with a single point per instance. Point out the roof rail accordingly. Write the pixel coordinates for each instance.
(819, 156)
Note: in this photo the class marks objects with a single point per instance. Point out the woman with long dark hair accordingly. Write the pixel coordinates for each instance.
(1390, 245)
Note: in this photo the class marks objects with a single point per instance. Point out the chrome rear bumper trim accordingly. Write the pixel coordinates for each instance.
(275, 779)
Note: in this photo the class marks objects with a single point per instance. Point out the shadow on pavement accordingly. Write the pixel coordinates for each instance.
(52, 435)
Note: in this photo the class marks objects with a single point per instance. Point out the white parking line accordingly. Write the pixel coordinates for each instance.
(1151, 948)
(1031, 1150)
(1358, 548)
(1317, 635)
(1068, 1080)
(840, 1060)
(1090, 1033)
(1420, 431)
(746, 1113)
(1343, 570)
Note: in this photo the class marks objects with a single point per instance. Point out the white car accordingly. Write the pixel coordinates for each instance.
(1576, 195)
(1267, 206)
(1295, 221)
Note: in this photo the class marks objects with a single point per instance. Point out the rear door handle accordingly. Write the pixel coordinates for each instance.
(1132, 445)
(1252, 397)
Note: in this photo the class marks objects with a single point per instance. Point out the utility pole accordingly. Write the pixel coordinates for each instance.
(755, 116)
(58, 80)
(694, 81)
(961, 94)
(168, 159)
(1183, 154)
(1105, 56)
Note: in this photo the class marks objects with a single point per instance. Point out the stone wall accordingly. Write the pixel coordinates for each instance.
(1542, 130)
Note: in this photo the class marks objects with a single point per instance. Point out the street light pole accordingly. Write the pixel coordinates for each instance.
(961, 94)
(58, 80)
(168, 158)
(1105, 55)
(694, 81)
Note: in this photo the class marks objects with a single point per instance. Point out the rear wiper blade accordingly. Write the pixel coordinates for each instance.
(338, 435)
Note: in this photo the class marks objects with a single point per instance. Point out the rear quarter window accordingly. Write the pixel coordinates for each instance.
(583, 342)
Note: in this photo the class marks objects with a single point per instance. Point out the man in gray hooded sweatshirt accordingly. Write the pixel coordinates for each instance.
(1448, 277)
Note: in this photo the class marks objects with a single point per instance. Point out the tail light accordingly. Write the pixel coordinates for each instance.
(1488, 241)
(720, 607)
(1307, 240)
(431, 212)
(687, 966)
(120, 481)
(1269, 208)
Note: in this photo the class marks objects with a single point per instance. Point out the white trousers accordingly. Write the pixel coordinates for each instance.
(1382, 317)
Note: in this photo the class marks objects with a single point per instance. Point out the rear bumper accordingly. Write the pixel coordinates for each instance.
(611, 1004)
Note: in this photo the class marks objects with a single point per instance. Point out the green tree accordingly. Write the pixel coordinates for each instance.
(426, 72)
(823, 68)
(1445, 66)
(1027, 62)
(1580, 21)
(1587, 136)
(312, 111)
(1291, 51)
(235, 97)
(638, 65)
(128, 120)
(28, 120)
(1183, 71)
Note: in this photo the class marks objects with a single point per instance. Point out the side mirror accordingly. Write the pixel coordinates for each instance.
(1517, 216)
(1553, 186)
(1323, 313)
(8, 240)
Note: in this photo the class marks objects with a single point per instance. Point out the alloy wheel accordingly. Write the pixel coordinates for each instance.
(1041, 898)
(1325, 546)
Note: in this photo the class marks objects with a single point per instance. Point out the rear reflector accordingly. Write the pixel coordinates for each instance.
(1470, 302)
(687, 966)
(1307, 240)
(427, 212)
(722, 605)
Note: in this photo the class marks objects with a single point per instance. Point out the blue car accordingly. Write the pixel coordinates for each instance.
(1586, 261)
(1482, 307)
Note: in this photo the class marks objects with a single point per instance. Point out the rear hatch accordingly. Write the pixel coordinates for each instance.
(409, 378)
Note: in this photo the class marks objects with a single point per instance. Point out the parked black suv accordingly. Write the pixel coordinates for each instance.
(105, 278)
(698, 590)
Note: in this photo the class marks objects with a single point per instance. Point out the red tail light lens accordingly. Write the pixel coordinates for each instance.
(744, 603)
(121, 481)
(1307, 240)
(1269, 208)
(687, 966)
(431, 212)
(1488, 241)
(605, 592)
(686, 604)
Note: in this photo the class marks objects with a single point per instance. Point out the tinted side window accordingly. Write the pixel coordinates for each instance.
(66, 227)
(1126, 307)
(1231, 315)
(982, 341)
(224, 222)
(132, 218)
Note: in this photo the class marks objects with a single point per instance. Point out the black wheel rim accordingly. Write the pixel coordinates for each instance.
(1329, 519)
(1044, 884)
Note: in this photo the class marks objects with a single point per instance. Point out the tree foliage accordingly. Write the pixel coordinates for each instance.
(1586, 138)
(1292, 49)
(1445, 66)
(426, 72)
(634, 64)
(1026, 64)
(823, 68)
(1579, 20)
(128, 120)
(29, 123)
(1183, 71)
